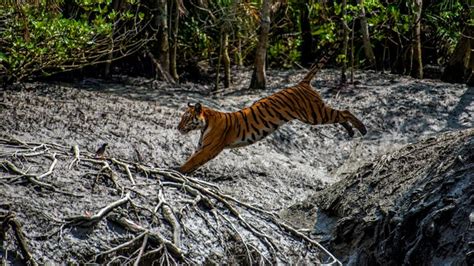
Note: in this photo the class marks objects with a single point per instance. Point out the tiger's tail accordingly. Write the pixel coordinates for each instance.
(319, 64)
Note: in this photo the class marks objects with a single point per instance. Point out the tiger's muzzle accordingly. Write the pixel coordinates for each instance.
(184, 130)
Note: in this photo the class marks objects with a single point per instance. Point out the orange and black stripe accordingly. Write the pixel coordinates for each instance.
(241, 128)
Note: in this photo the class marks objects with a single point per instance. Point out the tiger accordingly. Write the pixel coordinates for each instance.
(223, 130)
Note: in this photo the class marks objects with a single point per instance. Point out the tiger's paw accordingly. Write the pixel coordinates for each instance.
(363, 130)
(349, 129)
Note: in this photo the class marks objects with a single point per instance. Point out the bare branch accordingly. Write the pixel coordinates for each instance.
(76, 156)
(20, 236)
(127, 169)
(94, 219)
(142, 249)
(154, 236)
(51, 167)
(122, 246)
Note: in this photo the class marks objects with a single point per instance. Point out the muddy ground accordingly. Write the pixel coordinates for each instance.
(138, 119)
(412, 206)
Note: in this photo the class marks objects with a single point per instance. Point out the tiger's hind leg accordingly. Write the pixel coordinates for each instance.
(348, 127)
(333, 116)
(349, 117)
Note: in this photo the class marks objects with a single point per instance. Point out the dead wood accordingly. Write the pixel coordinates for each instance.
(160, 71)
(174, 219)
(32, 178)
(86, 221)
(76, 159)
(127, 169)
(10, 221)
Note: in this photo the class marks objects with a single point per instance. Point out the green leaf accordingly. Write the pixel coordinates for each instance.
(3, 57)
(112, 15)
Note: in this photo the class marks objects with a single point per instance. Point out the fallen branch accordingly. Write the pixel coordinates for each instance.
(11, 220)
(153, 236)
(76, 159)
(31, 154)
(87, 221)
(121, 246)
(142, 249)
(127, 169)
(13, 140)
(169, 216)
(51, 167)
(33, 179)
(106, 167)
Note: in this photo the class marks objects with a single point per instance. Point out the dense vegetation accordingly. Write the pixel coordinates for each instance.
(397, 201)
(175, 39)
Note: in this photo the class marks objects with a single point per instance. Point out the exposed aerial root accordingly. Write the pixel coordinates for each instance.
(150, 215)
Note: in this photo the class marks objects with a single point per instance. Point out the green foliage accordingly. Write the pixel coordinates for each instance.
(39, 39)
(445, 20)
(195, 39)
(200, 32)
(326, 33)
(390, 23)
(283, 53)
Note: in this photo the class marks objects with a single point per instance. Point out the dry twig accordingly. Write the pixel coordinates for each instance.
(142, 249)
(10, 220)
(86, 221)
(127, 169)
(51, 167)
(153, 236)
(76, 159)
(257, 229)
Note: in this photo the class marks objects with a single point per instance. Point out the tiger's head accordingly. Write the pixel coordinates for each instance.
(193, 118)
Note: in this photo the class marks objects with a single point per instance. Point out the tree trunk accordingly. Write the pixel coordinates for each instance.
(226, 59)
(174, 43)
(352, 51)
(409, 55)
(461, 65)
(417, 70)
(345, 42)
(258, 76)
(384, 55)
(469, 73)
(369, 53)
(398, 65)
(306, 46)
(163, 35)
(238, 54)
(116, 6)
(219, 60)
(238, 58)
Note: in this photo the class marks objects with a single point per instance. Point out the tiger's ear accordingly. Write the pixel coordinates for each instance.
(198, 108)
(189, 104)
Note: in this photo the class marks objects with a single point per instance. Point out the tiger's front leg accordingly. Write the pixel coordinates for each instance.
(200, 157)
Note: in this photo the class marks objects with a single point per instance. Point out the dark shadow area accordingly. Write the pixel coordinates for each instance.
(462, 106)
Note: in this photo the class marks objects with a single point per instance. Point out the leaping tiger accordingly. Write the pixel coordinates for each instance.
(221, 130)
